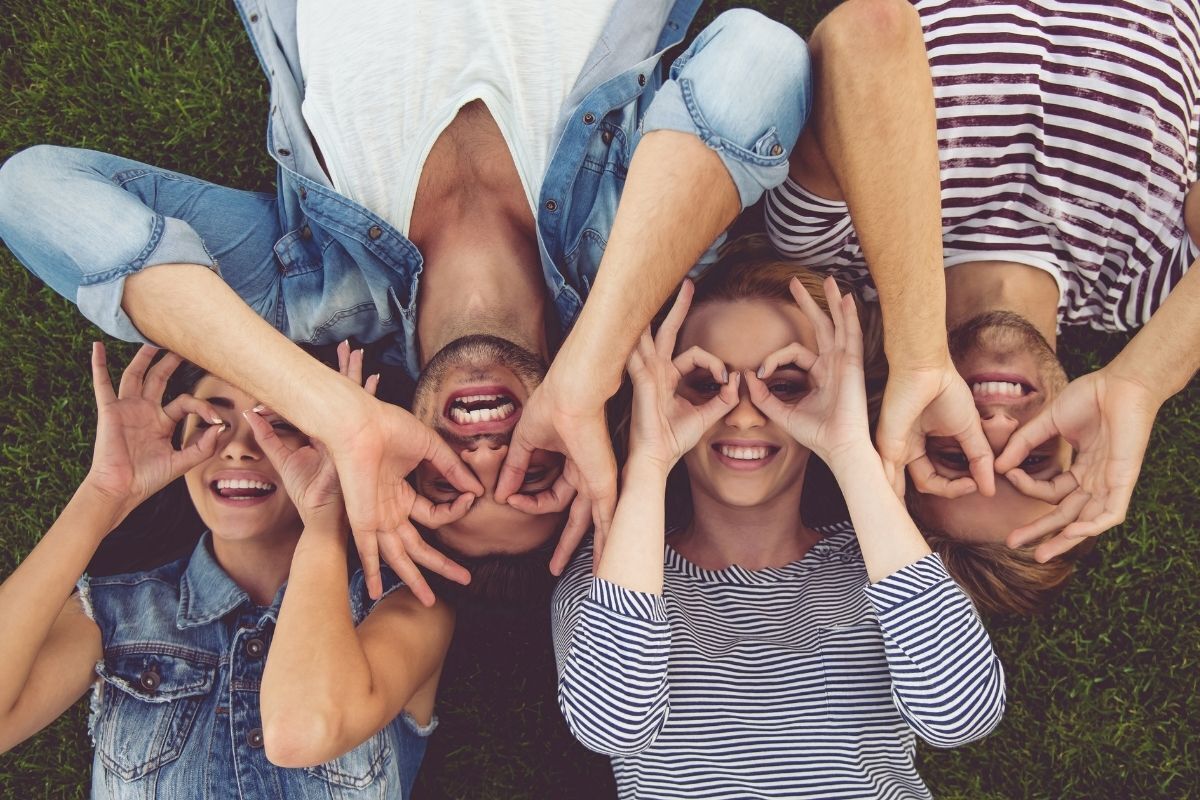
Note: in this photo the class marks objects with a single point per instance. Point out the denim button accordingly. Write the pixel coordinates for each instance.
(306, 233)
(254, 17)
(551, 205)
(255, 738)
(606, 137)
(255, 648)
(283, 151)
(777, 150)
(374, 232)
(641, 80)
(303, 193)
(149, 680)
(589, 118)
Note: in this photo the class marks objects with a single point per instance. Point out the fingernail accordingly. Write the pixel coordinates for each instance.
(258, 409)
(725, 376)
(216, 420)
(762, 371)
(375, 376)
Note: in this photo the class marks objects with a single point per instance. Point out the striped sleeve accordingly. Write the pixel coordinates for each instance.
(947, 682)
(612, 646)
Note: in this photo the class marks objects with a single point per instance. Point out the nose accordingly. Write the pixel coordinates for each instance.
(998, 427)
(745, 415)
(238, 442)
(485, 460)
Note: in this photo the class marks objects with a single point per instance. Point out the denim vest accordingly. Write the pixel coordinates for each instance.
(175, 712)
(347, 272)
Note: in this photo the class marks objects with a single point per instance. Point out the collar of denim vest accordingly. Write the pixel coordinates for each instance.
(207, 593)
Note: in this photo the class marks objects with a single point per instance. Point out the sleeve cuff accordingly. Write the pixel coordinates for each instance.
(907, 583)
(361, 604)
(626, 602)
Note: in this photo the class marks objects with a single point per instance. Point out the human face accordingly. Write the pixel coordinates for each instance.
(471, 393)
(745, 460)
(237, 492)
(1013, 372)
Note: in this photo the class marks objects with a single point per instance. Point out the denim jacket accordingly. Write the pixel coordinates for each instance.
(321, 268)
(175, 711)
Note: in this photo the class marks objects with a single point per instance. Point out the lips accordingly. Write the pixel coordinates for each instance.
(744, 455)
(482, 409)
(241, 490)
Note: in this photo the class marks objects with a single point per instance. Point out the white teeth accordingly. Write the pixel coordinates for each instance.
(744, 453)
(478, 398)
(997, 388)
(464, 417)
(242, 483)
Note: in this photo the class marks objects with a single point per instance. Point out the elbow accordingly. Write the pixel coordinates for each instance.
(609, 732)
(299, 737)
(971, 724)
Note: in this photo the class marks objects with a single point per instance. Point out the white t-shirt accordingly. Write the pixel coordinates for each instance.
(383, 79)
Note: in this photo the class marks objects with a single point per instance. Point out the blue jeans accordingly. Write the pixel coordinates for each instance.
(320, 268)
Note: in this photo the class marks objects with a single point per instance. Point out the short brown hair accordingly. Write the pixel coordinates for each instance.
(1005, 581)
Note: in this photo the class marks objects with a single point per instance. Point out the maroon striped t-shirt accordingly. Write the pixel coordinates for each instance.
(1067, 134)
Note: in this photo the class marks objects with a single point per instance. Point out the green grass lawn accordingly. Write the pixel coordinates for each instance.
(1102, 691)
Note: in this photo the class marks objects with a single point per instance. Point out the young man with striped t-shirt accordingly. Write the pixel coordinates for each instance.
(1062, 138)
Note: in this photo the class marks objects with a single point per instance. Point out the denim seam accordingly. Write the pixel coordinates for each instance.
(711, 138)
(159, 648)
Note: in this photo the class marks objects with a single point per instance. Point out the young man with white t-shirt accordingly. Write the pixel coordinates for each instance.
(454, 179)
(1059, 143)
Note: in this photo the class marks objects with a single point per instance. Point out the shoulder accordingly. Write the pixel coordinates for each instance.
(136, 592)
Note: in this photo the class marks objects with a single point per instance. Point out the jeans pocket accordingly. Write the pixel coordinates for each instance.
(149, 704)
(360, 773)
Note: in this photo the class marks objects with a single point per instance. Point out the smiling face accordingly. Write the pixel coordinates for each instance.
(745, 460)
(1013, 372)
(237, 492)
(471, 392)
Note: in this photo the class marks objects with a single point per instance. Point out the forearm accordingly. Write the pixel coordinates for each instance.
(1165, 354)
(33, 596)
(678, 198)
(317, 666)
(947, 682)
(188, 309)
(877, 134)
(633, 552)
(887, 536)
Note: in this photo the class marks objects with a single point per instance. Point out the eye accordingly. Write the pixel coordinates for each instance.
(285, 428)
(954, 459)
(703, 386)
(1034, 461)
(787, 389)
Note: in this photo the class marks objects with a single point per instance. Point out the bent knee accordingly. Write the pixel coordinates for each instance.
(30, 173)
(761, 41)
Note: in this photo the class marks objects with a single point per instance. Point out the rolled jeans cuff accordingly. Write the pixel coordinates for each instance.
(744, 87)
(172, 241)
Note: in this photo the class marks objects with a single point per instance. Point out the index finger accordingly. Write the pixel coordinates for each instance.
(1033, 433)
(516, 464)
(443, 458)
(927, 480)
(669, 330)
(979, 455)
(1048, 491)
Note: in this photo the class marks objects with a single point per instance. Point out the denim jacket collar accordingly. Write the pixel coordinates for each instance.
(207, 593)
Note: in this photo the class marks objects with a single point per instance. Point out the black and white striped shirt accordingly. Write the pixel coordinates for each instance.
(1067, 136)
(799, 682)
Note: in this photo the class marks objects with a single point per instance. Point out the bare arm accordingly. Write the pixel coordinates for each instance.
(329, 686)
(678, 198)
(375, 445)
(874, 144)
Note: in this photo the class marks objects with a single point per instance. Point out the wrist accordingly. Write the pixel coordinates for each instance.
(108, 509)
(1132, 371)
(642, 468)
(851, 459)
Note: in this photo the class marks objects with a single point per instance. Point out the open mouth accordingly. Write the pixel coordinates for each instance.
(744, 456)
(483, 408)
(1000, 387)
(242, 490)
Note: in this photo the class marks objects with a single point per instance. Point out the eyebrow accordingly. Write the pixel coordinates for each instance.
(220, 402)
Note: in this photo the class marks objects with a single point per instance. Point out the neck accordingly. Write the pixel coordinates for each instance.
(482, 275)
(767, 535)
(978, 287)
(258, 566)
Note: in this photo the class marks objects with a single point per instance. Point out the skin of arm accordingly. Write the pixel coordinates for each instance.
(375, 445)
(874, 145)
(651, 248)
(328, 686)
(633, 551)
(831, 420)
(51, 646)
